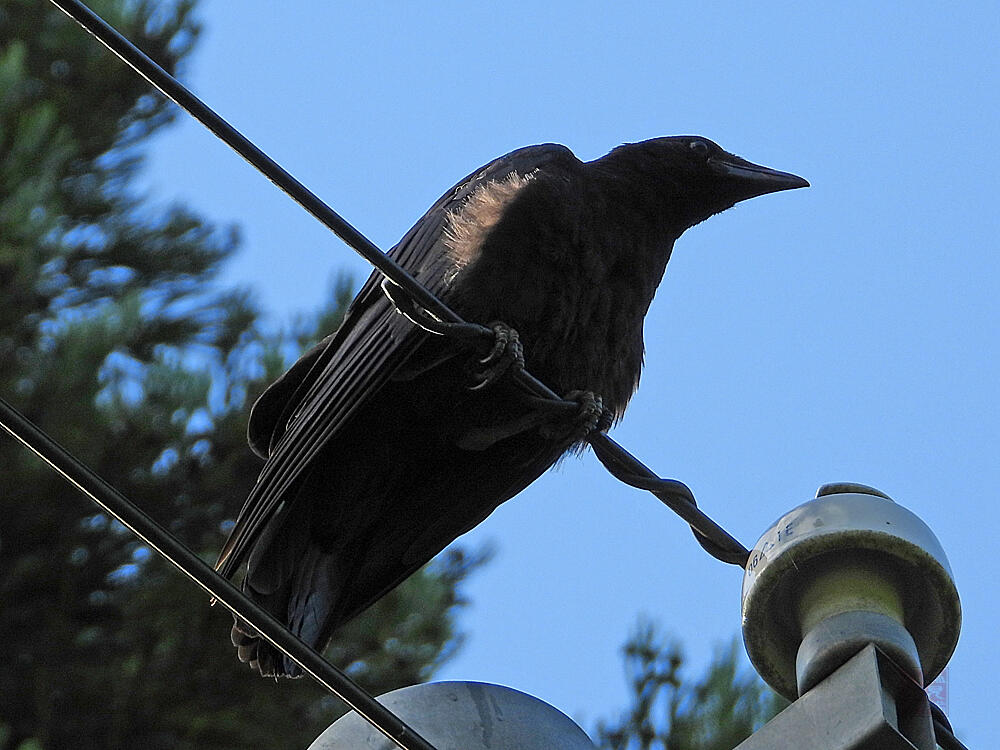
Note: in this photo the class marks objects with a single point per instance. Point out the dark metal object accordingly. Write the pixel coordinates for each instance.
(943, 732)
(616, 459)
(867, 704)
(117, 505)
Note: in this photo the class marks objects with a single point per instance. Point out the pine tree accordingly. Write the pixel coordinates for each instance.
(117, 339)
(715, 712)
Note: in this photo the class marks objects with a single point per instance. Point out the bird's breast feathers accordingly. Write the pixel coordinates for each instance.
(467, 226)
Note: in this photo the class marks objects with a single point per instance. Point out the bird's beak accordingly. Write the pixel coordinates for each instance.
(753, 179)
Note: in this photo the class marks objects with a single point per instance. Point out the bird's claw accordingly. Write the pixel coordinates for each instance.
(506, 353)
(590, 417)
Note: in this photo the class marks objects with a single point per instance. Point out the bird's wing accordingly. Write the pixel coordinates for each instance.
(301, 411)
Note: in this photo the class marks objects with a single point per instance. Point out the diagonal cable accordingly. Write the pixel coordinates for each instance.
(169, 547)
(616, 459)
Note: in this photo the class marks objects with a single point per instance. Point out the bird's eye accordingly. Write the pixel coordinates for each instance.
(699, 148)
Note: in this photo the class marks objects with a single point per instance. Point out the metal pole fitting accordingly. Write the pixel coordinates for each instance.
(849, 568)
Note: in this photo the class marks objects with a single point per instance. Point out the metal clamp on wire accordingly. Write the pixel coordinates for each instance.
(498, 343)
(469, 333)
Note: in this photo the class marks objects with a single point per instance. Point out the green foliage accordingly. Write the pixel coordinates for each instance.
(114, 338)
(716, 712)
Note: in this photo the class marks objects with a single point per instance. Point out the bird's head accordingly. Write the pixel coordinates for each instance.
(692, 178)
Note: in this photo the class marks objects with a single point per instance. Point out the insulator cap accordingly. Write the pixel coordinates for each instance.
(849, 567)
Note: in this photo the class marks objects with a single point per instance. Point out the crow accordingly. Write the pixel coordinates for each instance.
(385, 442)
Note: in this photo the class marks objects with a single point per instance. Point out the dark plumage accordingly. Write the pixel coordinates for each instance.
(369, 470)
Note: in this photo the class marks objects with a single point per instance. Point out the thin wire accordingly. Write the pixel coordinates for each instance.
(167, 545)
(674, 494)
(170, 87)
(712, 537)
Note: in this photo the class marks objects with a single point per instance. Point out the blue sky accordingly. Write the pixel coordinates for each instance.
(845, 332)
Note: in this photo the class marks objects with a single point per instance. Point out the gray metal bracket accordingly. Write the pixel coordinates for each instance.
(869, 703)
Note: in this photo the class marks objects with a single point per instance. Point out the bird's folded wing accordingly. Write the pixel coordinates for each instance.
(300, 412)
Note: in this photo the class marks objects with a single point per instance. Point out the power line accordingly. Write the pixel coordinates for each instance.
(167, 545)
(716, 541)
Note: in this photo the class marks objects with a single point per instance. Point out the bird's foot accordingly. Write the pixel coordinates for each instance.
(259, 655)
(507, 353)
(550, 418)
(590, 416)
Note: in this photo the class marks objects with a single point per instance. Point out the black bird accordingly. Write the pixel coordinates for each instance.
(378, 453)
